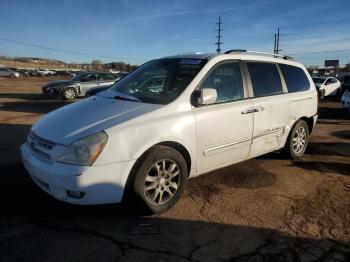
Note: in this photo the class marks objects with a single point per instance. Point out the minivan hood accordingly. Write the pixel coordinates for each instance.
(86, 117)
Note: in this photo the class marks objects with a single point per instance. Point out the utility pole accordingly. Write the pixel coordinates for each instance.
(219, 36)
(274, 45)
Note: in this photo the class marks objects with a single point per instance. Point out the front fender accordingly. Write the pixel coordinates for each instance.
(129, 142)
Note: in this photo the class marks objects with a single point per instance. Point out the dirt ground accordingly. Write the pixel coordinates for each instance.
(264, 209)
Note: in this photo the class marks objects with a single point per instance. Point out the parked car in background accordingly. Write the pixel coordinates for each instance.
(94, 90)
(45, 72)
(327, 86)
(142, 142)
(345, 84)
(79, 85)
(63, 73)
(345, 100)
(24, 72)
(8, 72)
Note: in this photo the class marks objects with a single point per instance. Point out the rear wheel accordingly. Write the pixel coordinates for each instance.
(159, 180)
(69, 94)
(298, 140)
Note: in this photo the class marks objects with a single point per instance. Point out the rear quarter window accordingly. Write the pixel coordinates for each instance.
(295, 78)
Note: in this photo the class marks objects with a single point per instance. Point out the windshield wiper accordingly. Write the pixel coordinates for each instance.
(125, 97)
(134, 99)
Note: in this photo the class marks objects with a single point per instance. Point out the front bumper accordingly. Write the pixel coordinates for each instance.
(101, 184)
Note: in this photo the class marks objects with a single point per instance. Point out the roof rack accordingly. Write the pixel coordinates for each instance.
(259, 53)
(191, 53)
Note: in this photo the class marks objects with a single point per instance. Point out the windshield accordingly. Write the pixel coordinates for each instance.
(318, 80)
(159, 81)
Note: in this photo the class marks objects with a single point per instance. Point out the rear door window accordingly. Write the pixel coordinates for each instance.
(265, 79)
(295, 78)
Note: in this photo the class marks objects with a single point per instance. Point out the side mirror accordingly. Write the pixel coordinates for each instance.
(205, 96)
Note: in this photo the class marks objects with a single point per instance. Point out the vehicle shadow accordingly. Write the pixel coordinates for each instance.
(24, 96)
(342, 134)
(12, 136)
(327, 149)
(35, 227)
(325, 112)
(325, 167)
(32, 106)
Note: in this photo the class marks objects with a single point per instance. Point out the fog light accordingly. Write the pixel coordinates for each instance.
(75, 194)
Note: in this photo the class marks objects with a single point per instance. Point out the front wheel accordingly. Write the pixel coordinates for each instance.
(158, 180)
(298, 140)
(322, 93)
(69, 94)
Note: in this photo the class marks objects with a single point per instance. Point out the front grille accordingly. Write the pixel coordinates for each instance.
(40, 147)
(48, 145)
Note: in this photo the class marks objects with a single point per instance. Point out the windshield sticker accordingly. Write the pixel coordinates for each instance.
(190, 61)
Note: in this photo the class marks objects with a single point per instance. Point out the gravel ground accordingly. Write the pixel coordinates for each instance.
(265, 209)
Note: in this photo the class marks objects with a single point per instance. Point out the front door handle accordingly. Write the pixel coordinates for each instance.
(253, 110)
(248, 111)
(258, 108)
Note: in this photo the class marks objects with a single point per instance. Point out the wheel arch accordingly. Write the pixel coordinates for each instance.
(172, 144)
(309, 121)
(181, 149)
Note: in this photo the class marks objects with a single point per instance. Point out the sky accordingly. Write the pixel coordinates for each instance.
(136, 31)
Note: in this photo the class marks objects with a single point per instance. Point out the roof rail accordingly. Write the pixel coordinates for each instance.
(191, 53)
(259, 53)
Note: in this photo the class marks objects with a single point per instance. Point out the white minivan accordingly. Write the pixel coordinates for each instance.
(200, 112)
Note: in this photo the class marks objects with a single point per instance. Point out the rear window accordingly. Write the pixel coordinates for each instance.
(295, 78)
(265, 79)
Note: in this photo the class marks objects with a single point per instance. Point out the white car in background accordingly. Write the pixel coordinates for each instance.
(327, 86)
(8, 72)
(197, 113)
(45, 72)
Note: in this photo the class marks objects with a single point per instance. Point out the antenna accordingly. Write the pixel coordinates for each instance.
(218, 43)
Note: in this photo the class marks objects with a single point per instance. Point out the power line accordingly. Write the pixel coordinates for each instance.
(54, 49)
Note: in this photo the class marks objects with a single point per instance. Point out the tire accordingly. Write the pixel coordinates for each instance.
(12, 76)
(297, 141)
(161, 170)
(69, 94)
(322, 93)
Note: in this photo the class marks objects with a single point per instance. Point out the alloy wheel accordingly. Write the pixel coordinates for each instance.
(162, 182)
(299, 140)
(69, 94)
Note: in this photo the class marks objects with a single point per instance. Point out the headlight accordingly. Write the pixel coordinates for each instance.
(84, 151)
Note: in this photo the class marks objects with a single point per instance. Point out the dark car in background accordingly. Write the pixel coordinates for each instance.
(345, 84)
(94, 90)
(79, 85)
